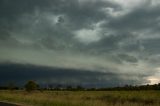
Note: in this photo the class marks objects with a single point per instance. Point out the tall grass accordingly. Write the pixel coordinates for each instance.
(83, 98)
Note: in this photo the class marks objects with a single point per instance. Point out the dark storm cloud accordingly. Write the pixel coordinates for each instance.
(90, 40)
(30, 18)
(77, 13)
(20, 73)
(13, 9)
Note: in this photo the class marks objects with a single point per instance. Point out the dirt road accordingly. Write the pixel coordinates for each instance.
(6, 104)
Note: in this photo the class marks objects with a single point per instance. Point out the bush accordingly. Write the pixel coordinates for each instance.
(30, 86)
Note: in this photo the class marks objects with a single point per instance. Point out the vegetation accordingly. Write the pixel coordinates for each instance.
(31, 86)
(82, 98)
(60, 95)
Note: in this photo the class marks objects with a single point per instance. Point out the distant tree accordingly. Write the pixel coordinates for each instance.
(58, 87)
(31, 86)
(69, 87)
(79, 87)
(11, 86)
(50, 86)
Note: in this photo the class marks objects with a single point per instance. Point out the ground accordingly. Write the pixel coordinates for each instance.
(83, 98)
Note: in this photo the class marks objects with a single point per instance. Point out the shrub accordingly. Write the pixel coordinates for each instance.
(30, 86)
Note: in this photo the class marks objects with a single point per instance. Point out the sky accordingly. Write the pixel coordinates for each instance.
(99, 43)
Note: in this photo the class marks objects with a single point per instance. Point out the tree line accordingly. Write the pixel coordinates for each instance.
(32, 85)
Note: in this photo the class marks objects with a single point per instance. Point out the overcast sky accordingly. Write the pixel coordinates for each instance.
(92, 42)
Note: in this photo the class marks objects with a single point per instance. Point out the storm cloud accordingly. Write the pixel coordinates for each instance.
(51, 75)
(116, 41)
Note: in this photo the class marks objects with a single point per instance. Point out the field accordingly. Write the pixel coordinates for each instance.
(83, 98)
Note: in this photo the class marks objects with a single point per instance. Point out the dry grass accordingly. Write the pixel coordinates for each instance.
(83, 98)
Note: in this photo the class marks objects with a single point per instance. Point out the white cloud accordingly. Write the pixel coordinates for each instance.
(154, 80)
(155, 2)
(87, 35)
(112, 12)
(130, 3)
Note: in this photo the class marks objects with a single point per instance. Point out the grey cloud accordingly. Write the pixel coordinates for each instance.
(6, 39)
(28, 23)
(123, 42)
(152, 45)
(127, 58)
(77, 13)
(138, 19)
(4, 35)
(84, 15)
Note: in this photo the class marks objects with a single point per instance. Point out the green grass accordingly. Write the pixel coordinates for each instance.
(83, 98)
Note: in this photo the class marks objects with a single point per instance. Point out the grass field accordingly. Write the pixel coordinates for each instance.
(83, 98)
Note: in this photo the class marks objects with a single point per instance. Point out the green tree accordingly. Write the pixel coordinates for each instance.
(31, 86)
